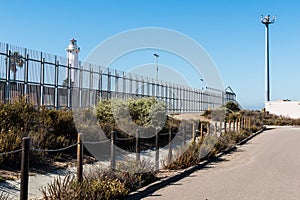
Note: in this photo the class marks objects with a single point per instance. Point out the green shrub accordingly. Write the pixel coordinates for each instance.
(95, 188)
(48, 129)
(146, 112)
(232, 106)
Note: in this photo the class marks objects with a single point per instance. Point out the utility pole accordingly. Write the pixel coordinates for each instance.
(266, 20)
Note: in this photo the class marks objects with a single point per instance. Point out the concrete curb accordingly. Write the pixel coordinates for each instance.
(151, 188)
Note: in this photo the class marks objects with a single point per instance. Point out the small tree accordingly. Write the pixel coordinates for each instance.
(232, 106)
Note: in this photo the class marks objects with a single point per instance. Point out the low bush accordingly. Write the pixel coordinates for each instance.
(48, 129)
(101, 184)
(207, 147)
(95, 188)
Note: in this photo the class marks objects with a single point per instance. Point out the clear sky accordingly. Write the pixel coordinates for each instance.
(229, 30)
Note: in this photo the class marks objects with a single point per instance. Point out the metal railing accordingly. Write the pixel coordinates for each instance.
(45, 79)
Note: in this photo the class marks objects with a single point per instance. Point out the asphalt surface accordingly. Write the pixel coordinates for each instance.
(266, 167)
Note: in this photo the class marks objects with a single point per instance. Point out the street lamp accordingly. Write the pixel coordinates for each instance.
(202, 81)
(157, 56)
(266, 20)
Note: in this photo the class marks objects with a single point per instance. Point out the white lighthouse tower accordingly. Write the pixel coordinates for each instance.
(72, 55)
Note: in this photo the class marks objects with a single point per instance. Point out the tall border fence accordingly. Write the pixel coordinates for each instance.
(45, 79)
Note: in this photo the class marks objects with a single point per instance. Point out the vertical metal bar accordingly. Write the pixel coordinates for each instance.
(26, 74)
(7, 91)
(108, 84)
(56, 83)
(70, 84)
(80, 85)
(101, 84)
(124, 86)
(42, 80)
(116, 84)
(92, 102)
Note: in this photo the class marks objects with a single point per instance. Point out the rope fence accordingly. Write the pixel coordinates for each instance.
(11, 152)
(54, 150)
(197, 131)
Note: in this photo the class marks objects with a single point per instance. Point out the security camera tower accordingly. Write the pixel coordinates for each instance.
(266, 20)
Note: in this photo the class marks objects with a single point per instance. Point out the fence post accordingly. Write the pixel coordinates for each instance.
(193, 132)
(137, 146)
(170, 147)
(79, 158)
(215, 128)
(25, 168)
(201, 130)
(208, 128)
(249, 123)
(234, 126)
(225, 126)
(112, 150)
(184, 134)
(157, 151)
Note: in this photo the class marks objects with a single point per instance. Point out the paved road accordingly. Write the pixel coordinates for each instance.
(267, 167)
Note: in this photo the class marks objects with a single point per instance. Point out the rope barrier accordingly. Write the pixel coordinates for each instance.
(54, 150)
(161, 134)
(98, 142)
(11, 152)
(124, 139)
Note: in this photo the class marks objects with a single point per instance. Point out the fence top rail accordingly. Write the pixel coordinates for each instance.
(47, 58)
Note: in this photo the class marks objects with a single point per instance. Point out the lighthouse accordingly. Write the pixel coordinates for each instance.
(72, 55)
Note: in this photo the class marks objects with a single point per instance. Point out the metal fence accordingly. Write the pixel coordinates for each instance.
(45, 79)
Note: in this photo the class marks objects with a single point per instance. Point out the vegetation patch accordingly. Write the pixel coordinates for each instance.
(100, 184)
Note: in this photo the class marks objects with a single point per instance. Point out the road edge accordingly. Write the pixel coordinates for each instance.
(151, 188)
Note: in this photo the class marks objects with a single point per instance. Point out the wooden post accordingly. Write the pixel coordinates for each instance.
(170, 147)
(157, 152)
(201, 130)
(234, 125)
(79, 159)
(225, 126)
(25, 168)
(207, 128)
(249, 126)
(113, 150)
(215, 128)
(193, 132)
(184, 134)
(137, 146)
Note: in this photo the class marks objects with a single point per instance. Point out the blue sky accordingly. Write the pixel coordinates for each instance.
(229, 30)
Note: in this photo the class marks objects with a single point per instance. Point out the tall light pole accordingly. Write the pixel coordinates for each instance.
(266, 20)
(157, 56)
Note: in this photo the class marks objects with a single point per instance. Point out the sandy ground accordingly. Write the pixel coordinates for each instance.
(37, 181)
